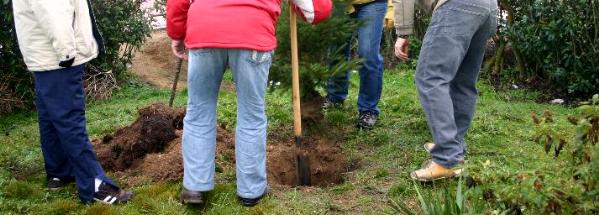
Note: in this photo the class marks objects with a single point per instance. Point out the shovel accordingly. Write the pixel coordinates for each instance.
(174, 90)
(303, 164)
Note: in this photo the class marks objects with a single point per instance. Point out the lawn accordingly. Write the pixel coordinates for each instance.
(500, 145)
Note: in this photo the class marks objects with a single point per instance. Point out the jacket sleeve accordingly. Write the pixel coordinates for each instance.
(313, 11)
(176, 18)
(56, 18)
(404, 16)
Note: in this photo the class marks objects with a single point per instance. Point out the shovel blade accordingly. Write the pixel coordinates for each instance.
(303, 164)
(303, 170)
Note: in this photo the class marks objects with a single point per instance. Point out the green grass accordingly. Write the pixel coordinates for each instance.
(500, 145)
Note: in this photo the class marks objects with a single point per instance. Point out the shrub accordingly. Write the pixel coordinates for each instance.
(554, 43)
(15, 83)
(124, 27)
(321, 51)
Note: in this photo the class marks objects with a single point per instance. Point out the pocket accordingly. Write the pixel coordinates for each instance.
(259, 57)
(200, 51)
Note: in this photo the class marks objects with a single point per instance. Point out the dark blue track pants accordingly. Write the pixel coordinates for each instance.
(65, 144)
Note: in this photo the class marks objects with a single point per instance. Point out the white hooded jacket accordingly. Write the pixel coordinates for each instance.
(52, 31)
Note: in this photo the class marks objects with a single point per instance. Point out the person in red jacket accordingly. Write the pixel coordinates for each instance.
(214, 35)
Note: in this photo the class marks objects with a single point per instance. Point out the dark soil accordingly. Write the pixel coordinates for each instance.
(311, 110)
(150, 149)
(327, 162)
(150, 133)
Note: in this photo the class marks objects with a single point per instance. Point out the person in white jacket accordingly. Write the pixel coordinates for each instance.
(56, 39)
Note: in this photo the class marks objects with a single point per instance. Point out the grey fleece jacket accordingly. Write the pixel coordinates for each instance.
(404, 13)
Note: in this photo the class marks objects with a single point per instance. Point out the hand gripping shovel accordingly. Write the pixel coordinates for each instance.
(174, 90)
(303, 164)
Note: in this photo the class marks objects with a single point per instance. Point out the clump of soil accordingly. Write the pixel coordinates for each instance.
(150, 148)
(150, 133)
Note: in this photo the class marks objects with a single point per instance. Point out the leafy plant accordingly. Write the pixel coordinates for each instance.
(547, 134)
(571, 188)
(439, 203)
(321, 51)
(586, 151)
(554, 44)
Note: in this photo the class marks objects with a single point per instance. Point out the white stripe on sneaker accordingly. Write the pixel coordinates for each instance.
(107, 199)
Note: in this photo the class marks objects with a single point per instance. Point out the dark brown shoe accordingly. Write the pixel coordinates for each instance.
(252, 202)
(191, 197)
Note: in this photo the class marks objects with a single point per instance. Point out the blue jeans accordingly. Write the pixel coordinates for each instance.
(250, 74)
(371, 72)
(448, 67)
(68, 154)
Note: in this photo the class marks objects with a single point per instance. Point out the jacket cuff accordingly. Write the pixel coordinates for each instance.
(404, 30)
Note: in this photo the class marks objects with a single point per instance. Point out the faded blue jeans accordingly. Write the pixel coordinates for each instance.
(205, 73)
(448, 68)
(371, 72)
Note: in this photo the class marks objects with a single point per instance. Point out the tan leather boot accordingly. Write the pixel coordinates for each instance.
(433, 171)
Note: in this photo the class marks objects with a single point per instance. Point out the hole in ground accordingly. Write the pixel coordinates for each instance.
(150, 148)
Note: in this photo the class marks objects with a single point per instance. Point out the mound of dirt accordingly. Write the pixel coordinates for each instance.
(150, 148)
(150, 133)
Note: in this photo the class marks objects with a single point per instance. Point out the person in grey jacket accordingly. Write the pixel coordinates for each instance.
(448, 66)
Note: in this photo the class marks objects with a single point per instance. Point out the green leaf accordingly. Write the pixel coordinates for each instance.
(459, 197)
(421, 199)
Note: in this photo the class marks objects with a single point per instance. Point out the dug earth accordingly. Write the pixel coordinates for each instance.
(150, 150)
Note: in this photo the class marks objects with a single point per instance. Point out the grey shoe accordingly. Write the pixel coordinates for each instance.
(191, 197)
(428, 147)
(366, 120)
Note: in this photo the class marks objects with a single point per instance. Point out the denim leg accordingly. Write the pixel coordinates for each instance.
(338, 85)
(445, 46)
(250, 72)
(462, 89)
(204, 75)
(369, 44)
(67, 116)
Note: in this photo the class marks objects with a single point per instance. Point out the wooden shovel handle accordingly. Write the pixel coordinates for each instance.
(297, 112)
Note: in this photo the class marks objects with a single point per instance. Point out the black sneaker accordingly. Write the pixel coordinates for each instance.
(366, 120)
(328, 104)
(109, 194)
(55, 184)
(191, 197)
(252, 202)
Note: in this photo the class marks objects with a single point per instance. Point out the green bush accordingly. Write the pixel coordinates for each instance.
(124, 27)
(321, 51)
(15, 83)
(554, 43)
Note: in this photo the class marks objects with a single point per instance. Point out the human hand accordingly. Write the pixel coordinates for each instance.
(402, 48)
(179, 50)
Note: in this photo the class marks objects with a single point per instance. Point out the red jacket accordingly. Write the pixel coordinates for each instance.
(243, 24)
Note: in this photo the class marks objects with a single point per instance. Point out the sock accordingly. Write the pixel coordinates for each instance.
(97, 183)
